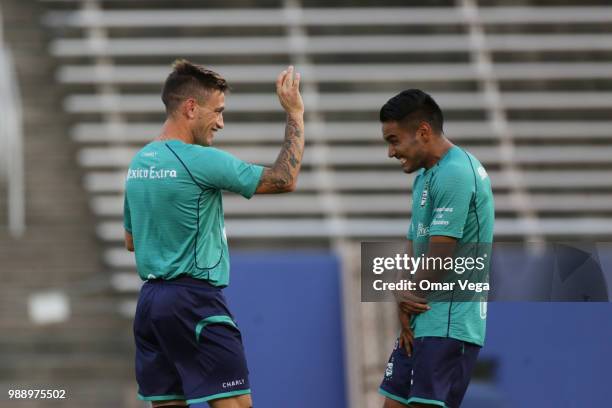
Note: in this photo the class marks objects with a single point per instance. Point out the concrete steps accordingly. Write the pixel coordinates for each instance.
(91, 354)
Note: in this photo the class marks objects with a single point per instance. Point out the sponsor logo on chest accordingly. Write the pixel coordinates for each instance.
(151, 173)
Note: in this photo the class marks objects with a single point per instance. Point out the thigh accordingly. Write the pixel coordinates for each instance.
(435, 375)
(464, 374)
(156, 375)
(169, 404)
(439, 377)
(389, 403)
(396, 383)
(204, 343)
(241, 401)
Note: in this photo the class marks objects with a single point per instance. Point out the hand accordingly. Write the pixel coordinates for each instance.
(406, 337)
(288, 91)
(411, 303)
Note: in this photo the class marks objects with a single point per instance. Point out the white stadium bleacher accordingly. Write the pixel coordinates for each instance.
(345, 16)
(354, 131)
(594, 181)
(366, 155)
(343, 73)
(383, 203)
(356, 102)
(324, 45)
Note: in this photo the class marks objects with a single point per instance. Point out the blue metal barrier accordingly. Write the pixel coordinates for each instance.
(288, 307)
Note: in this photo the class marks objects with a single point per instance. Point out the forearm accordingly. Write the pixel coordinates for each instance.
(440, 248)
(415, 293)
(428, 275)
(282, 176)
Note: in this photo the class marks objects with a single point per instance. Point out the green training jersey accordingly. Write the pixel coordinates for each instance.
(454, 199)
(173, 208)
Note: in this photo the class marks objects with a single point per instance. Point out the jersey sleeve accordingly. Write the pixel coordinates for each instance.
(410, 234)
(451, 194)
(217, 169)
(127, 216)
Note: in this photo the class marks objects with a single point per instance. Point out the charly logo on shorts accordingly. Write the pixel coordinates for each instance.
(233, 383)
(389, 370)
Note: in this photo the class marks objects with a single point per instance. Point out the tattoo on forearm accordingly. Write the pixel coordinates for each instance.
(286, 168)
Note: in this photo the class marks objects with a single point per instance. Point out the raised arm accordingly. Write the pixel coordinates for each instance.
(282, 176)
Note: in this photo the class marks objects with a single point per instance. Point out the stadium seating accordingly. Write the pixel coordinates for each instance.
(109, 53)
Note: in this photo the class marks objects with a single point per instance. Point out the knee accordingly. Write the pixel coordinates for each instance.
(245, 402)
(389, 403)
(169, 404)
(242, 401)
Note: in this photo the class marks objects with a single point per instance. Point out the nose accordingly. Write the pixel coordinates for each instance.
(220, 121)
(391, 151)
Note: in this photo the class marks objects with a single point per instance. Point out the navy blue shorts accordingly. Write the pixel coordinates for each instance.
(437, 373)
(187, 344)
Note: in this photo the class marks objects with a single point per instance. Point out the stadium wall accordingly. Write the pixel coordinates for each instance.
(551, 354)
(288, 308)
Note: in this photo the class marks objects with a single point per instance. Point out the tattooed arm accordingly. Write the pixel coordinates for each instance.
(282, 176)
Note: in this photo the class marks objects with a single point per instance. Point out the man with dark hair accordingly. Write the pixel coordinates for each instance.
(188, 347)
(187, 79)
(452, 207)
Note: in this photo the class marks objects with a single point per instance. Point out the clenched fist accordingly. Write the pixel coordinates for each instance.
(288, 91)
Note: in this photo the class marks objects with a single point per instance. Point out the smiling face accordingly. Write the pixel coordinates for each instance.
(208, 118)
(409, 146)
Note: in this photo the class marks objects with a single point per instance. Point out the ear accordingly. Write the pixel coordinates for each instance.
(189, 108)
(424, 131)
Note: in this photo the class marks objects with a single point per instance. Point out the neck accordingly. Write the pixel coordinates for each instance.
(439, 149)
(173, 130)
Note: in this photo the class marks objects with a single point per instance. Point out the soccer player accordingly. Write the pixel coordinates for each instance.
(188, 347)
(452, 205)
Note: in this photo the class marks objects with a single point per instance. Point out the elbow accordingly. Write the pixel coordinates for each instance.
(292, 184)
(290, 188)
(276, 181)
(129, 241)
(285, 185)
